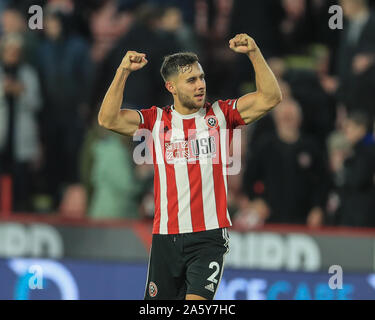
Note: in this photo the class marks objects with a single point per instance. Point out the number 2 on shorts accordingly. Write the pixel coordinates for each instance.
(214, 265)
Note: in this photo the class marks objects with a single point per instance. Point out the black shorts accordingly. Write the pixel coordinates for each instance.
(188, 263)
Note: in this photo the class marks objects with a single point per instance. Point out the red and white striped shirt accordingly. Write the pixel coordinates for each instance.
(190, 181)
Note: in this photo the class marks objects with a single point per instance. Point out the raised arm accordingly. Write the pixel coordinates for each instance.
(110, 116)
(253, 106)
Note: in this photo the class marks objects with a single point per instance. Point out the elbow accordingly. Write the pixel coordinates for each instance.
(274, 99)
(103, 123)
(100, 121)
(277, 98)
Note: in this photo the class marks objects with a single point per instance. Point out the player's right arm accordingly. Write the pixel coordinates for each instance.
(125, 121)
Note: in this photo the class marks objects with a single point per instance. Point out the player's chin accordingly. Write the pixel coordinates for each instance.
(200, 102)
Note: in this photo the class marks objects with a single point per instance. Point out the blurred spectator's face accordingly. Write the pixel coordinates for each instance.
(351, 7)
(11, 54)
(287, 115)
(354, 132)
(277, 66)
(53, 27)
(294, 8)
(172, 20)
(61, 5)
(191, 86)
(12, 22)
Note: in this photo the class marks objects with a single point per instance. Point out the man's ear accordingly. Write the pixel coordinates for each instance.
(170, 85)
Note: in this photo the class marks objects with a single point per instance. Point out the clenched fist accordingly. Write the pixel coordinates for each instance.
(242, 43)
(133, 61)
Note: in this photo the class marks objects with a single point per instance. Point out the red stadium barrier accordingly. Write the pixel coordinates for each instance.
(142, 227)
(5, 196)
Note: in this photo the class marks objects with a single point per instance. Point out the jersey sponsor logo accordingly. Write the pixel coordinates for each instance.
(210, 287)
(191, 150)
(152, 289)
(176, 150)
(212, 122)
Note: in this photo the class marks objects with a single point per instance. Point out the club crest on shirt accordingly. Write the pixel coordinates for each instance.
(212, 122)
(152, 289)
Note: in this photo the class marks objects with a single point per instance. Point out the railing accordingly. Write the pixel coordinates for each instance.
(58, 219)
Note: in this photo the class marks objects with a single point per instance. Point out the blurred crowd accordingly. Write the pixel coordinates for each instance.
(311, 161)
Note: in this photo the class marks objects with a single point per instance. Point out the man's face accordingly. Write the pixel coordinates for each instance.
(11, 54)
(353, 131)
(53, 27)
(350, 7)
(191, 86)
(287, 115)
(12, 22)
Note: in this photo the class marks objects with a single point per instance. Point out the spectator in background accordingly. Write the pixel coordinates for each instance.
(171, 24)
(20, 99)
(338, 150)
(306, 86)
(285, 173)
(296, 26)
(260, 18)
(107, 25)
(187, 7)
(14, 22)
(115, 193)
(356, 186)
(318, 106)
(142, 91)
(213, 28)
(65, 68)
(356, 57)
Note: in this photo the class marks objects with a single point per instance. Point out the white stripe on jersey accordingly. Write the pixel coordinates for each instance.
(162, 174)
(223, 144)
(208, 197)
(182, 180)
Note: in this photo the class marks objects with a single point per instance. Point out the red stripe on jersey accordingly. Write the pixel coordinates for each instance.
(171, 179)
(195, 181)
(219, 186)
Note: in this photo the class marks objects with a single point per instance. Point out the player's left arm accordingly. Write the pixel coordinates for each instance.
(253, 106)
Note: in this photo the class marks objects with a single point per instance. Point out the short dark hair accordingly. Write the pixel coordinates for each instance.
(360, 118)
(173, 63)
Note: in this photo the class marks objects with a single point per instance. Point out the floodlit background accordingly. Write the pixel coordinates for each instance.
(76, 209)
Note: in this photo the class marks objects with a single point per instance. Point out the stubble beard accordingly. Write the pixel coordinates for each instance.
(188, 103)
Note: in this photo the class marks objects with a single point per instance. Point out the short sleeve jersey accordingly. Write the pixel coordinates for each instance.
(190, 154)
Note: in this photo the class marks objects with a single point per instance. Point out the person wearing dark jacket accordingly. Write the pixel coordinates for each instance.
(65, 69)
(285, 173)
(356, 57)
(357, 189)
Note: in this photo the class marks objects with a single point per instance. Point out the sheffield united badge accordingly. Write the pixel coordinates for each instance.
(212, 122)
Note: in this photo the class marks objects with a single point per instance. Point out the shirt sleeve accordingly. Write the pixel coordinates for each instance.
(232, 116)
(148, 118)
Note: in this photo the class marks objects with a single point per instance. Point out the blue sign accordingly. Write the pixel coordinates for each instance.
(43, 279)
(261, 285)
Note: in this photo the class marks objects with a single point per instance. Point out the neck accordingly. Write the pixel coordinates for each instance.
(181, 109)
(287, 135)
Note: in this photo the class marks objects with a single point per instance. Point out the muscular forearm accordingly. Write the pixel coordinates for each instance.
(265, 79)
(112, 101)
